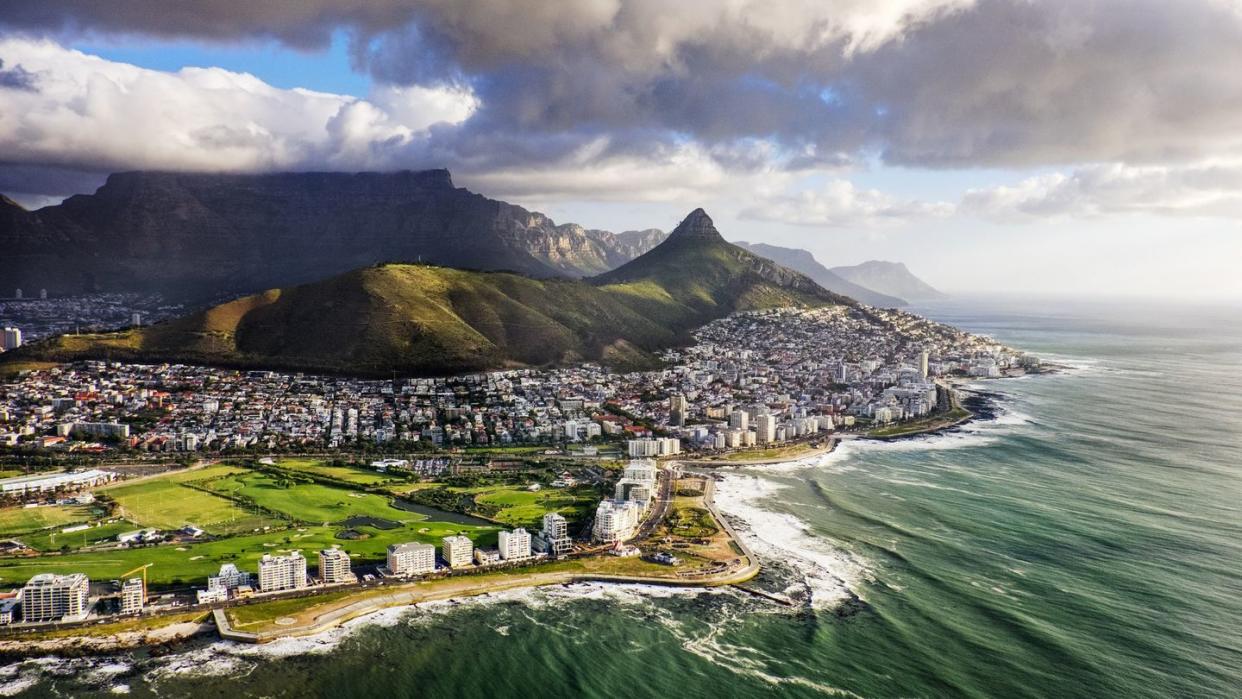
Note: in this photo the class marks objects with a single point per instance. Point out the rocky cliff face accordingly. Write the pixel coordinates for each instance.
(204, 235)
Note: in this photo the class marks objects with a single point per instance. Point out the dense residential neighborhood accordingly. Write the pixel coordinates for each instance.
(751, 378)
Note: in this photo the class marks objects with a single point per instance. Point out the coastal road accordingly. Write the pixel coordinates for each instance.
(660, 508)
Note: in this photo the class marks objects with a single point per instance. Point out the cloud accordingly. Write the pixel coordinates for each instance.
(15, 78)
(1204, 189)
(585, 99)
(840, 203)
(944, 83)
(91, 114)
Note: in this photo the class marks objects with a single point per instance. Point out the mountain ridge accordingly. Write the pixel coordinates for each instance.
(892, 278)
(199, 235)
(803, 261)
(424, 319)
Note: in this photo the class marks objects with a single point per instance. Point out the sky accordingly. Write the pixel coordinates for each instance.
(994, 146)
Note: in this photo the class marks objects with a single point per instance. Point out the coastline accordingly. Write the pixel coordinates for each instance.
(979, 405)
(321, 616)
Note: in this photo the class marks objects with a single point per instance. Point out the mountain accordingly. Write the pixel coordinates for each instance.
(802, 261)
(889, 278)
(695, 275)
(205, 235)
(422, 319)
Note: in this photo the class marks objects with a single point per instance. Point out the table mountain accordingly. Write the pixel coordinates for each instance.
(194, 236)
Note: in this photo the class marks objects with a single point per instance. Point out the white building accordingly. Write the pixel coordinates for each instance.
(739, 420)
(50, 597)
(334, 567)
(641, 470)
(514, 545)
(282, 572)
(616, 520)
(765, 429)
(457, 550)
(11, 339)
(657, 446)
(8, 610)
(486, 557)
(555, 535)
(411, 559)
(133, 596)
(94, 429)
(229, 578)
(47, 482)
(638, 491)
(220, 587)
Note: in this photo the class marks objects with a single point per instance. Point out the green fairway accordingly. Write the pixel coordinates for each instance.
(16, 520)
(517, 506)
(308, 502)
(359, 475)
(165, 503)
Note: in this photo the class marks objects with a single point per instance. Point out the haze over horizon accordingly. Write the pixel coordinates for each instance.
(1060, 147)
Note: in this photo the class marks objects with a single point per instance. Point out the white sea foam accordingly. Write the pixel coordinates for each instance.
(228, 658)
(830, 573)
(712, 646)
(11, 688)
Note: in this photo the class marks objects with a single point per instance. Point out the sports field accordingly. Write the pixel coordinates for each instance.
(17, 520)
(167, 503)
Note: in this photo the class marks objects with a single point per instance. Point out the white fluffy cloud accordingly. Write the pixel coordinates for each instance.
(1212, 189)
(86, 112)
(840, 203)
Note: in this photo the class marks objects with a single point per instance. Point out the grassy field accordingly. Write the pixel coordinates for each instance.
(54, 539)
(166, 503)
(308, 502)
(17, 520)
(517, 506)
(264, 612)
(194, 562)
(361, 476)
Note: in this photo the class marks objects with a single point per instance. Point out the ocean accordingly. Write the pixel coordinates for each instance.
(1085, 541)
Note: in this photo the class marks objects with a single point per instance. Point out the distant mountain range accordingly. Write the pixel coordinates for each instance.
(421, 319)
(196, 236)
(889, 278)
(804, 262)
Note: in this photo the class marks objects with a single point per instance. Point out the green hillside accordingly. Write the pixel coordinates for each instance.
(419, 319)
(696, 276)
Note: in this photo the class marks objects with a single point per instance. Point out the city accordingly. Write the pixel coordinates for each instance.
(754, 378)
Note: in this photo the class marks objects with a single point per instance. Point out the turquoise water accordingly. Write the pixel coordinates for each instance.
(1085, 543)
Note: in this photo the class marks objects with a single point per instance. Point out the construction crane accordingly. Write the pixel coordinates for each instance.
(144, 579)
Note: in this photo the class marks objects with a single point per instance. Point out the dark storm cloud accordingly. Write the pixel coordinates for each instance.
(940, 83)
